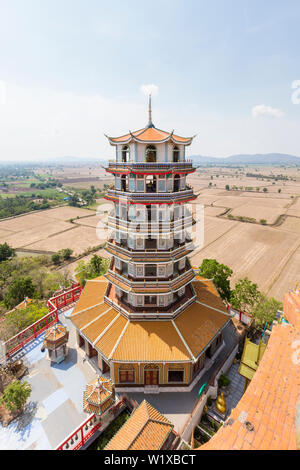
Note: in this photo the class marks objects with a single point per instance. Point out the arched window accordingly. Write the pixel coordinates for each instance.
(150, 155)
(125, 154)
(176, 154)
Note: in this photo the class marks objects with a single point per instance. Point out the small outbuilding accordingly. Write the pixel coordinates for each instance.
(56, 338)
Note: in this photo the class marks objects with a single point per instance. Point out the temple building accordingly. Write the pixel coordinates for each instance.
(150, 322)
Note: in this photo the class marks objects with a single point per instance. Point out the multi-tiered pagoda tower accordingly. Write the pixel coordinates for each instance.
(150, 321)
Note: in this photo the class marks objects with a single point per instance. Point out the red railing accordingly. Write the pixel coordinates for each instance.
(18, 341)
(79, 437)
(83, 433)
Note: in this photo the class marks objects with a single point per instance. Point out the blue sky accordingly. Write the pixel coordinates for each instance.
(72, 70)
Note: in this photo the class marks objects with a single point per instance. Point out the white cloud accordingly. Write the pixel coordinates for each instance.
(268, 111)
(149, 89)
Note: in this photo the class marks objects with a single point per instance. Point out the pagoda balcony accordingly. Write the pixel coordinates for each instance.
(151, 276)
(151, 312)
(151, 247)
(140, 257)
(150, 226)
(150, 198)
(149, 284)
(186, 165)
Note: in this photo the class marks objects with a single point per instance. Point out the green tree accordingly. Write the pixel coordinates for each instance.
(245, 296)
(15, 395)
(227, 187)
(265, 311)
(19, 289)
(265, 190)
(220, 273)
(56, 258)
(94, 268)
(66, 253)
(6, 252)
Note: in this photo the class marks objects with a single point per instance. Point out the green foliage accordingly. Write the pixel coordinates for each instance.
(44, 282)
(223, 381)
(66, 253)
(263, 221)
(56, 259)
(6, 252)
(220, 273)
(74, 200)
(19, 319)
(265, 311)
(227, 187)
(245, 295)
(19, 289)
(94, 268)
(15, 395)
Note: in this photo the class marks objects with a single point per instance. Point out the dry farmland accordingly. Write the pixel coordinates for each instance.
(268, 254)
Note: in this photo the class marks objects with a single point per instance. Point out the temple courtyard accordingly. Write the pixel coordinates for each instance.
(54, 409)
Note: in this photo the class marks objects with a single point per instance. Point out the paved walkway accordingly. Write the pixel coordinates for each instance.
(54, 409)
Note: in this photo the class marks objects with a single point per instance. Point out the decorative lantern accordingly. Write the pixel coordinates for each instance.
(56, 338)
(99, 396)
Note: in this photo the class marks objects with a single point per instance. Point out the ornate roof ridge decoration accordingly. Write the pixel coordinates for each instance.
(99, 387)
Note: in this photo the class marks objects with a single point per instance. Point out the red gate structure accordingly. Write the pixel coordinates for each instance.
(54, 304)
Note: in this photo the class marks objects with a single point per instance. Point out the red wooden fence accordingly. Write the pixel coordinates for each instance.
(18, 341)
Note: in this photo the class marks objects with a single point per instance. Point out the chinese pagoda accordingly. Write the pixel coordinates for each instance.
(151, 324)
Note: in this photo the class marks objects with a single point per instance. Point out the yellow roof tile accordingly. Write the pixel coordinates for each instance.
(146, 429)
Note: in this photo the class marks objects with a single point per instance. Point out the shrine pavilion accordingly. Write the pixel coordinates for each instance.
(150, 322)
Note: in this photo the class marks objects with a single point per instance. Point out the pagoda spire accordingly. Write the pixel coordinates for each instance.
(150, 123)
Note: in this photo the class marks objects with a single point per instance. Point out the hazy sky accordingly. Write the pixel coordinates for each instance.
(72, 70)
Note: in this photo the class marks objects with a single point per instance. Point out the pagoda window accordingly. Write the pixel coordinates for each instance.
(150, 154)
(150, 300)
(161, 300)
(176, 154)
(140, 184)
(150, 270)
(181, 264)
(176, 186)
(151, 184)
(175, 375)
(139, 300)
(161, 184)
(182, 183)
(123, 183)
(169, 183)
(181, 291)
(131, 270)
(118, 264)
(118, 183)
(132, 183)
(125, 154)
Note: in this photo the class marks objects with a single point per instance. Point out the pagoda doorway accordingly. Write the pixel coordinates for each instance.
(151, 375)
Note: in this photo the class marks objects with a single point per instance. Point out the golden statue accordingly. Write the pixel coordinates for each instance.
(221, 403)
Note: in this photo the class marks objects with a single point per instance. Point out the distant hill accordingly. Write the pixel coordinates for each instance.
(257, 159)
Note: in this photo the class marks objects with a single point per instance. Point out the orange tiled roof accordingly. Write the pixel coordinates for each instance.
(146, 429)
(56, 332)
(150, 134)
(291, 308)
(199, 325)
(271, 402)
(123, 340)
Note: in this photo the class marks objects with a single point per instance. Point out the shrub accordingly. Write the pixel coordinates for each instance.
(15, 395)
(223, 381)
